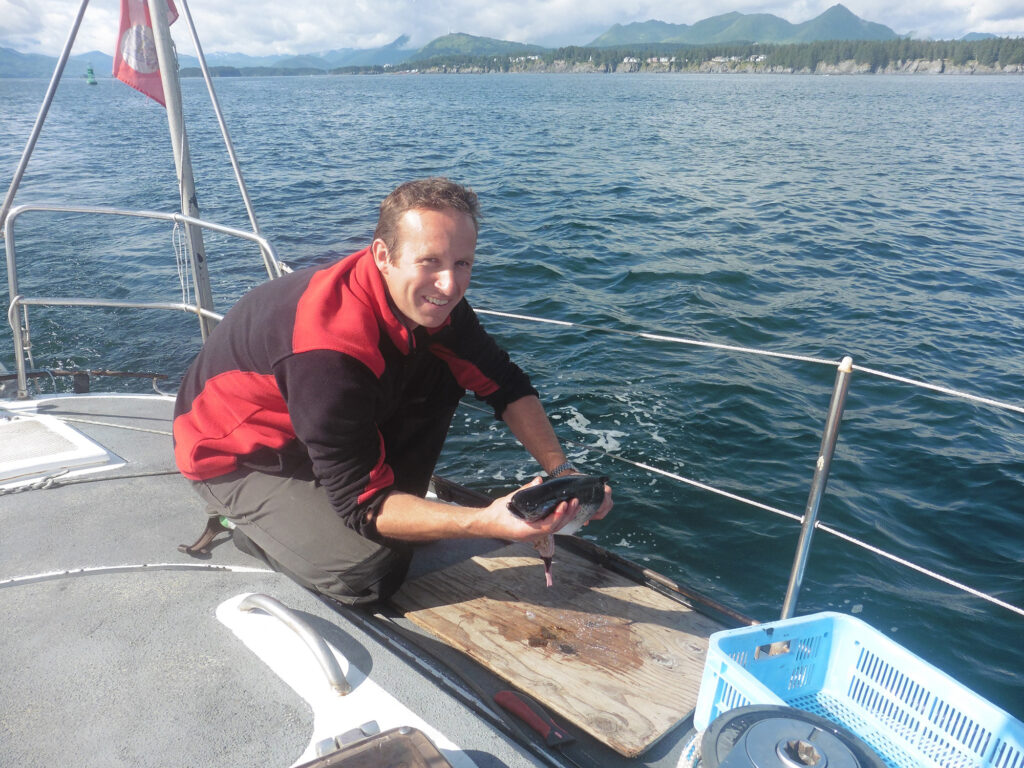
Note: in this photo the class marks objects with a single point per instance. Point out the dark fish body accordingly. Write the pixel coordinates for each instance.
(539, 501)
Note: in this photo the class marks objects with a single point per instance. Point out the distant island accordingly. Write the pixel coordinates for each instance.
(835, 42)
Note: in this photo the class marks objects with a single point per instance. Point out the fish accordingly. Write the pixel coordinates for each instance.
(539, 501)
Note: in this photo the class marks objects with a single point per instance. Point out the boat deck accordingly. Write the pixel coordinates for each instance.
(120, 650)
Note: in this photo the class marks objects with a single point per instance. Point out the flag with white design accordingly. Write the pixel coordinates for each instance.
(135, 60)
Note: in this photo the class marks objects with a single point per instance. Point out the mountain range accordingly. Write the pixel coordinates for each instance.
(837, 23)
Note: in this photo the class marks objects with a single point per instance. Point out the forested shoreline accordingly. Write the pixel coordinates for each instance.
(867, 55)
(1000, 55)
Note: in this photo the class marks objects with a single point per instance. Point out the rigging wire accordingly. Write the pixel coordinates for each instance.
(35, 578)
(790, 516)
(758, 352)
(177, 237)
(659, 337)
(818, 526)
(229, 146)
(920, 569)
(182, 263)
(127, 427)
(943, 390)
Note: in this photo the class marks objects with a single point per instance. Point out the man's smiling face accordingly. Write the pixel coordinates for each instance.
(431, 270)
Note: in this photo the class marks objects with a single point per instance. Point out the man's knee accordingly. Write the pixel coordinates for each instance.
(371, 581)
(349, 580)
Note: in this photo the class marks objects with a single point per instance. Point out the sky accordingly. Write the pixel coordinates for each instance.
(266, 27)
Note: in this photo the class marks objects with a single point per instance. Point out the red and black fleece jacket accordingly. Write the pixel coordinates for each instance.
(311, 364)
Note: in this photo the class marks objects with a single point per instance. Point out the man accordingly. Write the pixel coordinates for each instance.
(317, 409)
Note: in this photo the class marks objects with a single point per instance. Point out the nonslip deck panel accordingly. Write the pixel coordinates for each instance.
(616, 659)
(33, 446)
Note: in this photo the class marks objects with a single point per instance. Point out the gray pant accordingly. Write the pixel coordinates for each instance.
(310, 544)
(294, 528)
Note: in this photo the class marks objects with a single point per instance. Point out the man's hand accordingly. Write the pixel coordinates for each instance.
(411, 518)
(506, 525)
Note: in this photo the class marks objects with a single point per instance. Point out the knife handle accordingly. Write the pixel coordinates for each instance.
(531, 713)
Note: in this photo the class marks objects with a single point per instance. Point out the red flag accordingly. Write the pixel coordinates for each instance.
(135, 61)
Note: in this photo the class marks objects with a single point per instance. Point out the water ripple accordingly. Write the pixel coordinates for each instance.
(879, 217)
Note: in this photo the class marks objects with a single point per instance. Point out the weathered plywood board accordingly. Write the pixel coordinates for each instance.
(617, 659)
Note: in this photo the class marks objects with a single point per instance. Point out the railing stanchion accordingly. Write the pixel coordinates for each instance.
(821, 469)
(182, 159)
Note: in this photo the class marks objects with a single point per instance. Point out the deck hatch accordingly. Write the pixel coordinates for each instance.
(33, 446)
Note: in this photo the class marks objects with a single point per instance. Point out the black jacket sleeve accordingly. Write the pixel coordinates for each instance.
(478, 363)
(333, 400)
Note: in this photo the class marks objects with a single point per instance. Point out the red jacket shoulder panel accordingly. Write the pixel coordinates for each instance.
(344, 308)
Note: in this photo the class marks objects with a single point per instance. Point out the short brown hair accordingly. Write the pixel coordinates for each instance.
(433, 194)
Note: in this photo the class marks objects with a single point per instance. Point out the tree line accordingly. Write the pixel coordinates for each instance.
(875, 54)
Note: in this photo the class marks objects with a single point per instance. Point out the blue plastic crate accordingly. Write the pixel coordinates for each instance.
(912, 714)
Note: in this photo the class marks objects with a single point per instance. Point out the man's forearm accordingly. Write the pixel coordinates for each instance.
(531, 426)
(411, 518)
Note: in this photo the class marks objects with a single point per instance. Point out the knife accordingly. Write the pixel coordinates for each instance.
(534, 715)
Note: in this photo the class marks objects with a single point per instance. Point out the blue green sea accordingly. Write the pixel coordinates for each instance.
(880, 217)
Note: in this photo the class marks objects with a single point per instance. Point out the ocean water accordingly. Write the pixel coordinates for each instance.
(879, 217)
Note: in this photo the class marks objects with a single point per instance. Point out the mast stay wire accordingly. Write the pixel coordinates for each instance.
(791, 516)
(759, 352)
(751, 502)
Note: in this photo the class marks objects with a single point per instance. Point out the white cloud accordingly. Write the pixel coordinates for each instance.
(42, 26)
(260, 27)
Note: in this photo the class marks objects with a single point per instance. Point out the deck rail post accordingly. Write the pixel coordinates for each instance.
(818, 483)
(182, 159)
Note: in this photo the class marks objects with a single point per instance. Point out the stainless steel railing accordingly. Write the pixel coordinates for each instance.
(809, 520)
(20, 332)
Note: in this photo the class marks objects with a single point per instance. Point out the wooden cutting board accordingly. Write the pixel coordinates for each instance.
(618, 660)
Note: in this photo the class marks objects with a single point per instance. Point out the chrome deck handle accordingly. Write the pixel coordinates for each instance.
(309, 636)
